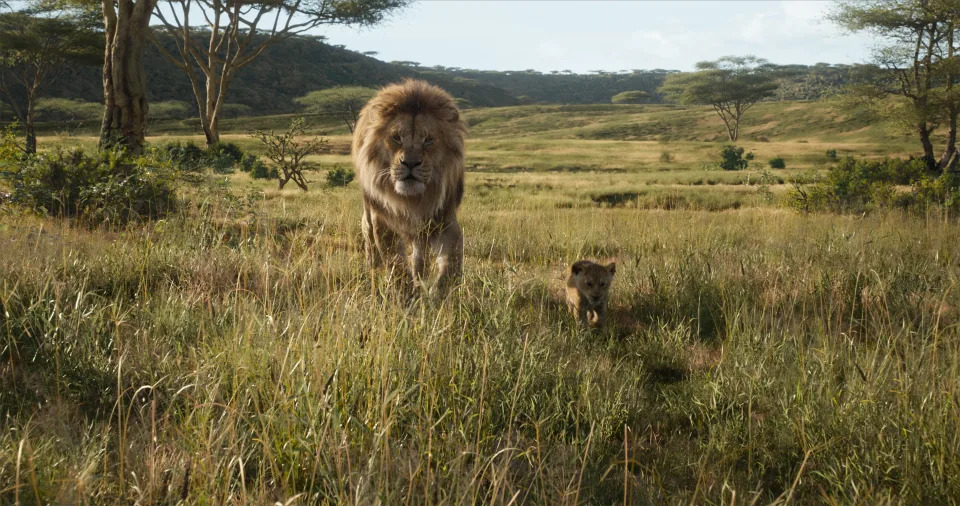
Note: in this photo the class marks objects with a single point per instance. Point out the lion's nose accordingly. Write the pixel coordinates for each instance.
(409, 163)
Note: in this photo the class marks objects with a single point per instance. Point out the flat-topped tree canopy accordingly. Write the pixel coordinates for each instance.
(731, 85)
(216, 38)
(36, 45)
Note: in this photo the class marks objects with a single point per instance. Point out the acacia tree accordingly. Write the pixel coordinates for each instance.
(341, 102)
(34, 48)
(918, 67)
(216, 38)
(126, 25)
(732, 85)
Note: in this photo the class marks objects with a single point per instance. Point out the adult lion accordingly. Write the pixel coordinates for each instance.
(407, 150)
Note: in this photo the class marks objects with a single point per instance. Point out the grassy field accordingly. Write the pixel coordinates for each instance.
(238, 352)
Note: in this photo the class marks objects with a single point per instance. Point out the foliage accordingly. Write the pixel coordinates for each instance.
(858, 185)
(226, 149)
(778, 162)
(236, 110)
(938, 192)
(221, 157)
(66, 110)
(731, 158)
(11, 149)
(257, 169)
(34, 48)
(288, 153)
(831, 154)
(731, 85)
(106, 188)
(339, 176)
(186, 156)
(214, 59)
(342, 102)
(913, 76)
(631, 97)
(168, 109)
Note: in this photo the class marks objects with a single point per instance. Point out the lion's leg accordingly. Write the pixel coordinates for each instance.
(370, 249)
(449, 247)
(417, 260)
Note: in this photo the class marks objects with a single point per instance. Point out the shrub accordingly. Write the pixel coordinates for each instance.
(226, 149)
(220, 162)
(186, 156)
(666, 157)
(778, 163)
(857, 185)
(941, 192)
(108, 187)
(288, 153)
(257, 168)
(731, 158)
(339, 176)
(831, 154)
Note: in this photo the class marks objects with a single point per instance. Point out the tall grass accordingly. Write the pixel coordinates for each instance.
(239, 352)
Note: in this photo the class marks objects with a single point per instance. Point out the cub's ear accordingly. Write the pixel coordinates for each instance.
(578, 267)
(612, 267)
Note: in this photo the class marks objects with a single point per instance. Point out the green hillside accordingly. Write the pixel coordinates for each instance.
(780, 121)
(288, 69)
(293, 67)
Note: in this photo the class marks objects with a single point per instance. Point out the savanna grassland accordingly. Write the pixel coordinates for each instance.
(237, 351)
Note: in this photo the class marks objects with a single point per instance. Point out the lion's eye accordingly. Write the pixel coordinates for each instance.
(590, 285)
(428, 141)
(396, 138)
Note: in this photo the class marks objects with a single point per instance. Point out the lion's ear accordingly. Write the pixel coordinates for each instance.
(612, 267)
(578, 267)
(454, 115)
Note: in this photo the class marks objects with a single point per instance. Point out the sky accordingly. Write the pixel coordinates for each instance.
(582, 36)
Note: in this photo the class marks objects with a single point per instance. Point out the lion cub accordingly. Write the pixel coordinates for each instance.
(587, 289)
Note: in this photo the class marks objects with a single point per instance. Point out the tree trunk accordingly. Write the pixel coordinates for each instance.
(30, 146)
(212, 130)
(211, 120)
(924, 133)
(953, 108)
(124, 86)
(951, 149)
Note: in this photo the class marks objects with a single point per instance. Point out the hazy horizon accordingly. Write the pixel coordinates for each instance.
(603, 35)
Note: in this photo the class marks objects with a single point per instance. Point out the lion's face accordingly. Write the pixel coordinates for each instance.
(415, 142)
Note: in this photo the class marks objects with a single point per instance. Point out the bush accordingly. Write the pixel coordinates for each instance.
(857, 185)
(186, 156)
(831, 154)
(778, 163)
(220, 162)
(226, 149)
(257, 168)
(108, 187)
(666, 157)
(731, 158)
(339, 176)
(942, 192)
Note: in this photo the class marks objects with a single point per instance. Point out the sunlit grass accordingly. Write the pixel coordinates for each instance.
(240, 352)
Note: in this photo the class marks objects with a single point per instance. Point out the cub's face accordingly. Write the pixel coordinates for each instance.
(593, 280)
(416, 144)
